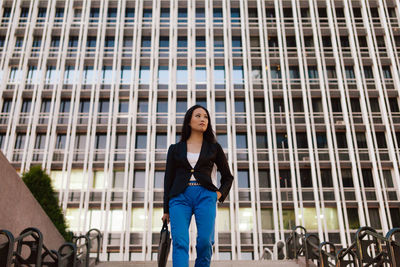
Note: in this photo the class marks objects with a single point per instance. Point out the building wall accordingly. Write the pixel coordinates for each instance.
(303, 97)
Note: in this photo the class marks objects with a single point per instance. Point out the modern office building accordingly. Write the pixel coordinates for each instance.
(303, 95)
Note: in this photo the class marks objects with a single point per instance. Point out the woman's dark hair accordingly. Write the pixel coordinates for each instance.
(208, 135)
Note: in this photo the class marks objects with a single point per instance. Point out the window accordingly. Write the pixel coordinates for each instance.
(26, 105)
(312, 72)
(130, 13)
(120, 142)
(182, 41)
(262, 141)
(101, 141)
(349, 72)
(355, 105)
(200, 13)
(88, 75)
(161, 140)
(32, 76)
(123, 106)
(45, 106)
(128, 41)
(264, 179)
(24, 12)
(73, 41)
(344, 41)
(326, 41)
(373, 102)
(146, 41)
(243, 179)
(7, 12)
(326, 178)
(222, 140)
(241, 140)
(276, 72)
(69, 74)
(308, 41)
(220, 105)
(2, 141)
(361, 141)
(84, 106)
(347, 178)
(331, 72)
(238, 75)
(182, 13)
(144, 74)
(272, 42)
(341, 140)
(112, 12)
(158, 179)
(37, 41)
(141, 141)
(288, 219)
(20, 141)
(200, 41)
(381, 139)
(219, 74)
(321, 140)
(290, 41)
(217, 12)
(375, 218)
(387, 74)
(298, 105)
(80, 141)
(163, 75)
(60, 142)
(94, 12)
(164, 41)
(40, 141)
(181, 75)
(109, 41)
(162, 105)
(240, 106)
(126, 74)
(294, 72)
(368, 72)
(279, 106)
(139, 179)
(281, 140)
(6, 106)
(336, 107)
(352, 216)
(164, 13)
(387, 177)
(143, 106)
(181, 106)
(201, 75)
(91, 41)
(59, 12)
(52, 74)
(64, 105)
(267, 219)
(256, 73)
(394, 106)
(218, 41)
(259, 105)
(305, 177)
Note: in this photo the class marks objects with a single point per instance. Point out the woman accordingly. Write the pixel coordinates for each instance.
(190, 189)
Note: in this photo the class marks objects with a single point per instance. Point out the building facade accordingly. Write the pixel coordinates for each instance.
(303, 96)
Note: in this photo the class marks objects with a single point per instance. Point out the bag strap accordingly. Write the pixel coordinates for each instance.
(165, 225)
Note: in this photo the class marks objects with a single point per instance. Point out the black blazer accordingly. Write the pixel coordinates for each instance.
(178, 170)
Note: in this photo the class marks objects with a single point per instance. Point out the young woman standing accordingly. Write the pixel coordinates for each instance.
(190, 187)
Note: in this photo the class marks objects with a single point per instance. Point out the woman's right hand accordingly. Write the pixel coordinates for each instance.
(165, 217)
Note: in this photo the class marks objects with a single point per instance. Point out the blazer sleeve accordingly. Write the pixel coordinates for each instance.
(226, 176)
(168, 177)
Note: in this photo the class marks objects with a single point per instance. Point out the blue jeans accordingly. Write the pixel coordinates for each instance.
(201, 202)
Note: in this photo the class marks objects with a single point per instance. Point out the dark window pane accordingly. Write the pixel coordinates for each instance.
(301, 140)
(264, 179)
(243, 179)
(285, 179)
(261, 140)
(241, 140)
(352, 216)
(326, 178)
(347, 178)
(305, 177)
(101, 140)
(141, 141)
(341, 140)
(367, 178)
(161, 141)
(321, 140)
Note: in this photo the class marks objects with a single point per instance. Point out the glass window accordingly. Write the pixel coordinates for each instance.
(116, 220)
(109, 41)
(236, 41)
(40, 141)
(80, 141)
(59, 12)
(84, 106)
(32, 76)
(312, 72)
(181, 75)
(326, 178)
(381, 139)
(69, 74)
(395, 216)
(45, 106)
(141, 141)
(123, 106)
(137, 220)
(387, 74)
(341, 140)
(72, 218)
(20, 141)
(223, 219)
(241, 140)
(118, 179)
(73, 41)
(181, 106)
(217, 12)
(243, 179)
(352, 216)
(349, 72)
(164, 41)
(98, 180)
(182, 41)
(101, 141)
(267, 219)
(158, 179)
(94, 12)
(219, 75)
(240, 106)
(387, 177)
(245, 219)
(218, 41)
(281, 140)
(128, 41)
(91, 41)
(26, 105)
(200, 41)
(37, 41)
(146, 41)
(201, 75)
(294, 72)
(182, 12)
(139, 179)
(163, 75)
(93, 219)
(56, 179)
(288, 219)
(262, 141)
(301, 139)
(88, 75)
(368, 74)
(147, 13)
(200, 13)
(367, 178)
(331, 72)
(143, 106)
(164, 13)
(162, 105)
(374, 218)
(264, 178)
(256, 73)
(347, 178)
(305, 177)
(126, 74)
(144, 74)
(120, 142)
(322, 142)
(112, 12)
(223, 140)
(161, 140)
(237, 74)
(394, 106)
(276, 72)
(220, 105)
(76, 180)
(157, 224)
(285, 179)
(6, 106)
(60, 142)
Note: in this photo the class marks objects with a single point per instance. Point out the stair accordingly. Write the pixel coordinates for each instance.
(261, 263)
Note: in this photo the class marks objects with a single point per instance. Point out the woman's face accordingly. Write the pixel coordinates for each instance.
(199, 121)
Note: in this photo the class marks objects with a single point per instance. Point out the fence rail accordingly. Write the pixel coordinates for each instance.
(14, 250)
(369, 249)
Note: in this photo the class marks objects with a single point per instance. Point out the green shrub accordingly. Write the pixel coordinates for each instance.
(39, 183)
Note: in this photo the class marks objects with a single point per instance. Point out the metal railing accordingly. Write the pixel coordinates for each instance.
(369, 249)
(28, 250)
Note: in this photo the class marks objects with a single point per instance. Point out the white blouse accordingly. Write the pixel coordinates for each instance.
(192, 158)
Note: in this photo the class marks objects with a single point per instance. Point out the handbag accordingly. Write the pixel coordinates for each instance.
(164, 245)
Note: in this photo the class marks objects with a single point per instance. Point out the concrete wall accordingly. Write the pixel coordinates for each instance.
(20, 210)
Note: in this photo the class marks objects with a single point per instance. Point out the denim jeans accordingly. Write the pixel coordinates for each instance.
(201, 202)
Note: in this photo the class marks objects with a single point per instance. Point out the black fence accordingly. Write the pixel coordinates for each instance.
(28, 250)
(369, 249)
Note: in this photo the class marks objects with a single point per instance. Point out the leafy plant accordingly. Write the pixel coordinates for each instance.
(39, 183)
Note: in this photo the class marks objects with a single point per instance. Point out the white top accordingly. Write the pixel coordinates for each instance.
(192, 158)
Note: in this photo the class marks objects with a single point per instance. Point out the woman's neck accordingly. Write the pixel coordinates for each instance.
(195, 137)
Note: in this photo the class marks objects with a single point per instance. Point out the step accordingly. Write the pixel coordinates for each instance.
(237, 263)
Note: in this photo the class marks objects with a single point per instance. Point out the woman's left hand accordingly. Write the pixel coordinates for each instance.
(218, 194)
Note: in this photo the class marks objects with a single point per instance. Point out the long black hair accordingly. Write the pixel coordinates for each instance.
(208, 135)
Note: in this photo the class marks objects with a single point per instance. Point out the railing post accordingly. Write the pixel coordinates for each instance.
(35, 246)
(98, 238)
(393, 246)
(6, 249)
